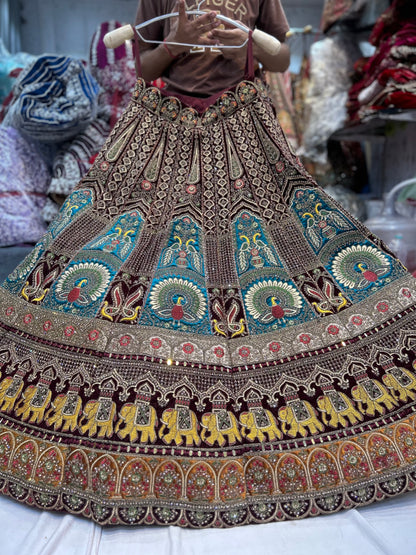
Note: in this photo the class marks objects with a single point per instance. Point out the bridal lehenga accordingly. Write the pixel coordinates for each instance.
(204, 337)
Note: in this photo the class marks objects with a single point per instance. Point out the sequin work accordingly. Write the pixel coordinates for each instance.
(203, 337)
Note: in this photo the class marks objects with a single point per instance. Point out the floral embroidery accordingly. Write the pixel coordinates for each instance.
(146, 185)
(274, 347)
(156, 343)
(305, 338)
(27, 319)
(125, 340)
(188, 348)
(244, 352)
(333, 330)
(219, 352)
(93, 335)
(69, 331)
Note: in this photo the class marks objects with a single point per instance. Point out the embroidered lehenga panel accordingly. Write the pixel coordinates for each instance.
(204, 337)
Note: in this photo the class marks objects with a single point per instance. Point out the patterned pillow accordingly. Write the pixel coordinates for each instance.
(24, 178)
(54, 98)
(73, 159)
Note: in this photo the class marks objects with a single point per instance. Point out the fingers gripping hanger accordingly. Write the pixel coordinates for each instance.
(115, 38)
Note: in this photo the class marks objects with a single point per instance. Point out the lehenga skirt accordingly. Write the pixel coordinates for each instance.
(204, 337)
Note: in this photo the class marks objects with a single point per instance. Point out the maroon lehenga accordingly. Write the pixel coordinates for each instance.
(204, 337)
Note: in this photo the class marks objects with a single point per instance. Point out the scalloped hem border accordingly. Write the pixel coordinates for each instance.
(175, 513)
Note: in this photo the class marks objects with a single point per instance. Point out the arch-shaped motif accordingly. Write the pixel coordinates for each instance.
(231, 482)
(104, 476)
(259, 477)
(7, 443)
(135, 479)
(50, 467)
(119, 238)
(405, 440)
(183, 249)
(291, 474)
(75, 204)
(169, 480)
(254, 249)
(24, 459)
(353, 461)
(323, 469)
(77, 470)
(200, 483)
(382, 452)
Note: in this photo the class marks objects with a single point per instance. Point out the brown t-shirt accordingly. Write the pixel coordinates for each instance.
(204, 73)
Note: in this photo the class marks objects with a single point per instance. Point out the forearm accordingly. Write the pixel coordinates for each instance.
(275, 63)
(154, 62)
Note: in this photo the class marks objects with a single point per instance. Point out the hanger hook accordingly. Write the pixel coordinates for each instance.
(200, 4)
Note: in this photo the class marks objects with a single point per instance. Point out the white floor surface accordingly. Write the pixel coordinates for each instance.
(386, 528)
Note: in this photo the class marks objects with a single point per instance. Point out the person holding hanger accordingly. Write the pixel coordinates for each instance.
(201, 71)
(204, 337)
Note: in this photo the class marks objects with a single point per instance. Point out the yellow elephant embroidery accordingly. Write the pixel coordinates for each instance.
(401, 381)
(137, 417)
(10, 390)
(300, 416)
(65, 408)
(259, 422)
(181, 423)
(219, 424)
(373, 394)
(98, 413)
(35, 400)
(338, 407)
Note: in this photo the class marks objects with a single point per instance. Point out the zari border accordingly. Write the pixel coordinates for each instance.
(251, 489)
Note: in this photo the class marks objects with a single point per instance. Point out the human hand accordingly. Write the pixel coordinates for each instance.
(191, 31)
(229, 35)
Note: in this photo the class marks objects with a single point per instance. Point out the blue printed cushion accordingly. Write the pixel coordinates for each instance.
(54, 99)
